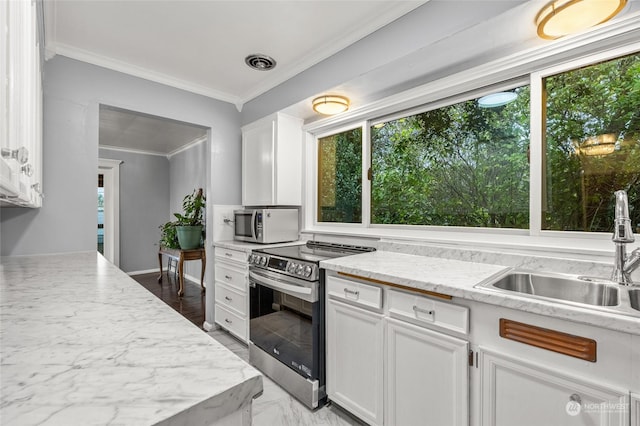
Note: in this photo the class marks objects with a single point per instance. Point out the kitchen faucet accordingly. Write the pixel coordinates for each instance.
(623, 235)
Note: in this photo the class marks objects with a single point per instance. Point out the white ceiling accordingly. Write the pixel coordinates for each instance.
(200, 46)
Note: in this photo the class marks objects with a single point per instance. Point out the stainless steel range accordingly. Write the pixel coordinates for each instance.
(287, 314)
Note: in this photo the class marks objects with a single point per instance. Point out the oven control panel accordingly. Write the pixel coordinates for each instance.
(298, 269)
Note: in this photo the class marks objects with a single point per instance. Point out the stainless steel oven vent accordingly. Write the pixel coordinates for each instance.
(260, 62)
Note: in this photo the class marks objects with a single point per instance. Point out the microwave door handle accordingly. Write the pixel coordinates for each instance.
(278, 285)
(254, 225)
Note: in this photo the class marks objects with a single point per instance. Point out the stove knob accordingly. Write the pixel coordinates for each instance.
(307, 271)
(251, 257)
(263, 260)
(300, 269)
(291, 268)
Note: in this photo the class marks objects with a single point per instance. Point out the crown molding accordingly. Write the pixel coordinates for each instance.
(133, 151)
(144, 73)
(187, 146)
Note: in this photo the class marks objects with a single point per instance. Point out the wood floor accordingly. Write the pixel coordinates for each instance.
(191, 305)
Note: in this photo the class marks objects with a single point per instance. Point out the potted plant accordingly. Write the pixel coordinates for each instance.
(169, 236)
(189, 226)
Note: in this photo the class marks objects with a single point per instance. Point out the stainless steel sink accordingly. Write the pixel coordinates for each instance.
(569, 289)
(634, 298)
(585, 292)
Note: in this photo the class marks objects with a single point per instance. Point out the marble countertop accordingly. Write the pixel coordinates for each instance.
(82, 343)
(458, 278)
(248, 247)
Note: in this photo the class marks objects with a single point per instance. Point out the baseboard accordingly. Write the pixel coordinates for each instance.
(146, 271)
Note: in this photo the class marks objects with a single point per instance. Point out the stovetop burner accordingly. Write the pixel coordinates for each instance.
(301, 260)
(315, 251)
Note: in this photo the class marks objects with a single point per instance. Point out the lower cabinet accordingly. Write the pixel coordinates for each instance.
(231, 292)
(426, 377)
(354, 360)
(386, 366)
(519, 393)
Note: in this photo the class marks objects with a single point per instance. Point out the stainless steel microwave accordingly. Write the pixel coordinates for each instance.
(266, 226)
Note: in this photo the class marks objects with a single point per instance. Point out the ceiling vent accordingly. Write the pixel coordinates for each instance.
(260, 62)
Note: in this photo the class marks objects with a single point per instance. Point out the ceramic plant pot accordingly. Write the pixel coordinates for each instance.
(189, 236)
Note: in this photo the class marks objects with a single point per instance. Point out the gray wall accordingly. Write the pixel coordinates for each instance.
(144, 205)
(187, 171)
(73, 91)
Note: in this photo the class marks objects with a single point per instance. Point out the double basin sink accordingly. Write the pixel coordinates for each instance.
(586, 292)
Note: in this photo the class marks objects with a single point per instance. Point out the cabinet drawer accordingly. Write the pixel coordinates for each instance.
(231, 277)
(231, 322)
(421, 310)
(233, 299)
(231, 255)
(354, 292)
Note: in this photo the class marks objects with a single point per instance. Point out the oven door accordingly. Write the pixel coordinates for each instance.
(285, 320)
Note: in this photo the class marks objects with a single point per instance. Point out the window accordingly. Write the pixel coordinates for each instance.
(340, 177)
(467, 164)
(461, 165)
(592, 145)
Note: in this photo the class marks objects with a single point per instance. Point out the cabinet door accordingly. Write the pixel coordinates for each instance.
(518, 393)
(257, 165)
(426, 377)
(354, 360)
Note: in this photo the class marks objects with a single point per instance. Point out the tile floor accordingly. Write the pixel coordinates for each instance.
(274, 407)
(277, 407)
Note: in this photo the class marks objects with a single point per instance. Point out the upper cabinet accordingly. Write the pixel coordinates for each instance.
(272, 161)
(21, 106)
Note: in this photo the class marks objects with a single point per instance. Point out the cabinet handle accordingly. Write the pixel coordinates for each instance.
(21, 155)
(424, 311)
(228, 254)
(27, 169)
(355, 293)
(228, 321)
(229, 277)
(228, 298)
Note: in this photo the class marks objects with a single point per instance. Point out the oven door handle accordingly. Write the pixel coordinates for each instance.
(278, 285)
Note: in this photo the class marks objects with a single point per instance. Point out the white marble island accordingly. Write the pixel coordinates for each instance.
(82, 343)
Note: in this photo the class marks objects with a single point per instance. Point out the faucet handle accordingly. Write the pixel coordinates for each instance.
(622, 231)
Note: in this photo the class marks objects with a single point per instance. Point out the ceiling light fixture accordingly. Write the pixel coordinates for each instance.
(330, 104)
(497, 99)
(597, 146)
(563, 17)
(260, 62)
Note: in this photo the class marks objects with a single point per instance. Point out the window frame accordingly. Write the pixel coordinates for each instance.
(474, 83)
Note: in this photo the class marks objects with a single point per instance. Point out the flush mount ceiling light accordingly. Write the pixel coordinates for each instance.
(598, 146)
(330, 104)
(260, 62)
(562, 17)
(497, 99)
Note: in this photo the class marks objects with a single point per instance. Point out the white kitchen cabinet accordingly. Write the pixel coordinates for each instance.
(355, 360)
(635, 409)
(231, 292)
(272, 161)
(394, 357)
(21, 106)
(516, 392)
(426, 377)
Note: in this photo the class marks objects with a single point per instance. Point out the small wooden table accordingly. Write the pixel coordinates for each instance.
(181, 256)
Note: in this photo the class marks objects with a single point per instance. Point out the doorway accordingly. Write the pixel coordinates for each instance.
(108, 232)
